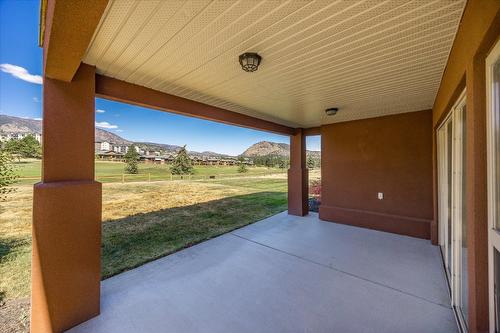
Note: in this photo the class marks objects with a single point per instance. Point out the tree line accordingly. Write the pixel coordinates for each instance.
(180, 166)
(27, 147)
(282, 162)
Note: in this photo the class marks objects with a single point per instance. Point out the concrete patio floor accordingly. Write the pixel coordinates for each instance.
(284, 274)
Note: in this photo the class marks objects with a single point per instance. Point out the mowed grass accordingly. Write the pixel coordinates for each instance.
(144, 221)
(107, 171)
(182, 214)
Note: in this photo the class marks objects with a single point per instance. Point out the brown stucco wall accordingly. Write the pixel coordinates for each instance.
(391, 154)
(478, 32)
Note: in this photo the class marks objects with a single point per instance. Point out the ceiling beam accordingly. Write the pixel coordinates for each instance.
(121, 91)
(312, 131)
(66, 32)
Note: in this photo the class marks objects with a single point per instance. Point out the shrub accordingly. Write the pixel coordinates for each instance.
(242, 168)
(315, 188)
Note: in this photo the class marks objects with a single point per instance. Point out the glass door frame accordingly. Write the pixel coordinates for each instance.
(458, 202)
(493, 161)
(443, 197)
(457, 120)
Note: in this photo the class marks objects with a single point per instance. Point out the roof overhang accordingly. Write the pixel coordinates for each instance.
(369, 58)
(66, 30)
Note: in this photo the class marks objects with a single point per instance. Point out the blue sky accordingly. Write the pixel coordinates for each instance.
(21, 94)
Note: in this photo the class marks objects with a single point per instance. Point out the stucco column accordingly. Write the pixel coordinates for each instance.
(66, 209)
(298, 175)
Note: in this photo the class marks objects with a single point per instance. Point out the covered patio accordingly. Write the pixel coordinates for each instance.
(376, 79)
(284, 274)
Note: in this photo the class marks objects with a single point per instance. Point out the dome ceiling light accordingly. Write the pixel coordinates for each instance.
(331, 111)
(250, 61)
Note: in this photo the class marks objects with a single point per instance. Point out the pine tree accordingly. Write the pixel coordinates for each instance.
(132, 160)
(7, 174)
(182, 164)
(310, 162)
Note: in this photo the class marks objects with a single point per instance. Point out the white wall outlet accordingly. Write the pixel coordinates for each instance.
(380, 195)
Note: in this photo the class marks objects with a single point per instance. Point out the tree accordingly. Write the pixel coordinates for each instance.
(242, 168)
(30, 147)
(310, 162)
(27, 147)
(269, 161)
(7, 174)
(132, 160)
(282, 163)
(182, 164)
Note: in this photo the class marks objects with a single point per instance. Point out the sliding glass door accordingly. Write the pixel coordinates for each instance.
(452, 205)
(445, 140)
(493, 152)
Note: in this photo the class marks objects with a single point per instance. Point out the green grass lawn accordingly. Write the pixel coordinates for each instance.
(107, 171)
(220, 207)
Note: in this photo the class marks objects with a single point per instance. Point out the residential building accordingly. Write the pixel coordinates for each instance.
(18, 136)
(103, 146)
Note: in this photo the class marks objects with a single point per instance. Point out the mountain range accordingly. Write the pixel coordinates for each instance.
(11, 124)
(265, 148)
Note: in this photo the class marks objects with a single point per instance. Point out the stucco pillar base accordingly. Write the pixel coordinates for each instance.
(298, 203)
(66, 254)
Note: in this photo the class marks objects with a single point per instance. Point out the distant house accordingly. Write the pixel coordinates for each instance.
(120, 149)
(111, 151)
(18, 136)
(103, 146)
(110, 155)
(154, 158)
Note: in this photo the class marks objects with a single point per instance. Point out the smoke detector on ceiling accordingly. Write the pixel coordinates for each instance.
(331, 111)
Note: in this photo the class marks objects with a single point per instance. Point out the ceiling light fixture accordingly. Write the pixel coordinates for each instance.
(250, 61)
(331, 111)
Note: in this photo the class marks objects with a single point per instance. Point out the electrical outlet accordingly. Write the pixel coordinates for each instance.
(380, 195)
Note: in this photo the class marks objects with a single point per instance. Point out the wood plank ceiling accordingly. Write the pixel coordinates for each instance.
(369, 58)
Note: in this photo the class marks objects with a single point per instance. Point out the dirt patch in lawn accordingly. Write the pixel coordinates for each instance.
(15, 316)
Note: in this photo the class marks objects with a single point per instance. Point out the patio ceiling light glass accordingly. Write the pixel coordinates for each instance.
(250, 61)
(331, 111)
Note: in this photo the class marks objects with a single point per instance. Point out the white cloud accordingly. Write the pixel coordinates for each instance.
(36, 100)
(21, 73)
(100, 111)
(31, 118)
(105, 124)
(119, 130)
